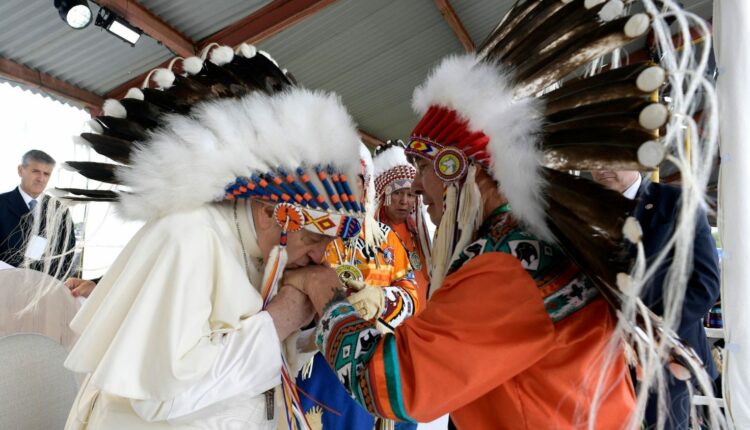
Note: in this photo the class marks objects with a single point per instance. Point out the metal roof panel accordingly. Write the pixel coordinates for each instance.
(372, 53)
(34, 35)
(200, 19)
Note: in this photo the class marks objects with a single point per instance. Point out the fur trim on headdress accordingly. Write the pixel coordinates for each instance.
(373, 234)
(192, 159)
(482, 94)
(221, 55)
(134, 93)
(163, 78)
(192, 65)
(246, 50)
(114, 108)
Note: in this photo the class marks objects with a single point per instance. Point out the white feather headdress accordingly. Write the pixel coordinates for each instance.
(392, 170)
(230, 125)
(481, 95)
(192, 160)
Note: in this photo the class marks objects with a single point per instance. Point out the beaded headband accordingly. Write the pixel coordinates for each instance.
(299, 202)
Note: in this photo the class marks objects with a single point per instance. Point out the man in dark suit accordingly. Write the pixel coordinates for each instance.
(18, 209)
(657, 212)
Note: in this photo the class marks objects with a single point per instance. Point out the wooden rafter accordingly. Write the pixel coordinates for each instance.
(267, 21)
(369, 140)
(455, 24)
(158, 29)
(49, 84)
(644, 55)
(137, 15)
(264, 23)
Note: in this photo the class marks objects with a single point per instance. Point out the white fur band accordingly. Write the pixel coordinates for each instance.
(482, 94)
(191, 160)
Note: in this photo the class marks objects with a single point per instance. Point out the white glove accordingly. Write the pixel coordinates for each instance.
(369, 301)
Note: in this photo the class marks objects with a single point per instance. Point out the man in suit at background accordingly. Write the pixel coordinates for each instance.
(19, 206)
(657, 212)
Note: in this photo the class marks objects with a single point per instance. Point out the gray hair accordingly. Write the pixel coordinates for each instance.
(38, 156)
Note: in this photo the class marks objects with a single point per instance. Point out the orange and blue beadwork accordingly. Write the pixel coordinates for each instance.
(292, 194)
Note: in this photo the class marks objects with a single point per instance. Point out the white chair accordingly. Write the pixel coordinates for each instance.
(36, 391)
(51, 316)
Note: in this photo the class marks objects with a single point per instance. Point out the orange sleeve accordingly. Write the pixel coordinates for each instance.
(485, 325)
(403, 276)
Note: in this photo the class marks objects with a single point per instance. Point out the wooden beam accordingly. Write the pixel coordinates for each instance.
(369, 140)
(141, 17)
(262, 24)
(267, 21)
(49, 84)
(455, 24)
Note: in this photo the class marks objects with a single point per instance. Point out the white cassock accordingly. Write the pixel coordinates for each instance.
(174, 337)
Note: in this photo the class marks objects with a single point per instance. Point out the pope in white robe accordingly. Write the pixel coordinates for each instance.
(174, 335)
(190, 326)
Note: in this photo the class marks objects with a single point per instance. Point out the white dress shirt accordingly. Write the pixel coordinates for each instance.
(26, 198)
(633, 189)
(174, 335)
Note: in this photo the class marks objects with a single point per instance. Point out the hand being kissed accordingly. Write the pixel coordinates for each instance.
(319, 283)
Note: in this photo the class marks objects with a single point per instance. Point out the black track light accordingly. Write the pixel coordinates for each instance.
(76, 13)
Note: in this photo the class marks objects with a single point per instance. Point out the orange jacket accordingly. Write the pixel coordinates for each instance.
(513, 339)
(488, 353)
(421, 276)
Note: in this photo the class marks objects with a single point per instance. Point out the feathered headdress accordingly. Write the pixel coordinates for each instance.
(231, 125)
(489, 111)
(393, 171)
(477, 114)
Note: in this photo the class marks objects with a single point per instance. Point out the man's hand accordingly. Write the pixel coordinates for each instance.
(320, 283)
(290, 310)
(80, 287)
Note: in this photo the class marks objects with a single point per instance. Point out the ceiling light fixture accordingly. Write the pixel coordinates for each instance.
(116, 25)
(76, 13)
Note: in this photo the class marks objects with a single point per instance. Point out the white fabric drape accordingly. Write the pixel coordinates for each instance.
(155, 322)
(247, 365)
(174, 336)
(732, 35)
